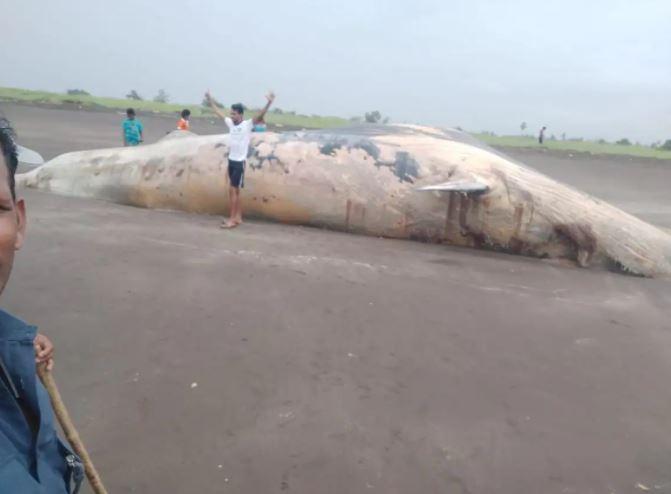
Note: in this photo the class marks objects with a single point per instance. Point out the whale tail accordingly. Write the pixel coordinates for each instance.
(29, 157)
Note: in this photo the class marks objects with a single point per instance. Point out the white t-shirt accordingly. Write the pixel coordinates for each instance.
(240, 135)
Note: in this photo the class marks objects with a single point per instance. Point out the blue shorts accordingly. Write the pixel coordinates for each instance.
(236, 173)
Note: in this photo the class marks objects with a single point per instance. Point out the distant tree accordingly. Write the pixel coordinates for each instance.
(78, 92)
(459, 128)
(133, 94)
(563, 136)
(373, 116)
(523, 127)
(356, 119)
(553, 137)
(602, 141)
(623, 142)
(667, 145)
(161, 97)
(386, 120)
(278, 111)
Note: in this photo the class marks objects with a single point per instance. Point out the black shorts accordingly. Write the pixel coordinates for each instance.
(236, 173)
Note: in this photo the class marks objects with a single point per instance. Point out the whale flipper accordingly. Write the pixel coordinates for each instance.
(463, 186)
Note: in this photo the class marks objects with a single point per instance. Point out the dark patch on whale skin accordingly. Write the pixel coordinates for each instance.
(357, 132)
(330, 145)
(369, 147)
(256, 160)
(330, 148)
(354, 135)
(404, 166)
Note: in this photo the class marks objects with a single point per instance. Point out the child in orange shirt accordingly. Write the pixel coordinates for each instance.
(183, 123)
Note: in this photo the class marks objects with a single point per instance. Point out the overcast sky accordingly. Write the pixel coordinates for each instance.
(591, 68)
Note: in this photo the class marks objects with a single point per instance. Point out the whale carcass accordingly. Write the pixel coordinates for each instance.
(396, 181)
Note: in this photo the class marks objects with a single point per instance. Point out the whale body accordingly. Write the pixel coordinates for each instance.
(397, 181)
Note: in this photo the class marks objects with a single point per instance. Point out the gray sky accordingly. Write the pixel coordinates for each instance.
(591, 68)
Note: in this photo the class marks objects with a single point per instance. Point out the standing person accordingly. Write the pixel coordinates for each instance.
(183, 123)
(132, 129)
(33, 460)
(541, 135)
(240, 131)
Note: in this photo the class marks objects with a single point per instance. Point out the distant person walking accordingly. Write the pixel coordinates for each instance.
(541, 135)
(240, 131)
(183, 123)
(132, 129)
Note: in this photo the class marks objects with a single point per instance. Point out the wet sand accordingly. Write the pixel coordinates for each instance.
(332, 363)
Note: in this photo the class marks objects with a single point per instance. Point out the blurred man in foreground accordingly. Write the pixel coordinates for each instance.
(33, 460)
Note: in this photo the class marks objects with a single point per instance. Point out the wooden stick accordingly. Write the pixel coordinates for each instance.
(69, 429)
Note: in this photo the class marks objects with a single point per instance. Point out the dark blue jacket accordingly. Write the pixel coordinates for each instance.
(33, 460)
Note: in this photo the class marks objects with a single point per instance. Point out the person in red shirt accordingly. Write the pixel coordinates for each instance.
(183, 123)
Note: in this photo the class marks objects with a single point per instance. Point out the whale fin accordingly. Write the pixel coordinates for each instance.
(463, 186)
(28, 156)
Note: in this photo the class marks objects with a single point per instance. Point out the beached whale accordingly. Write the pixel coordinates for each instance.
(396, 181)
